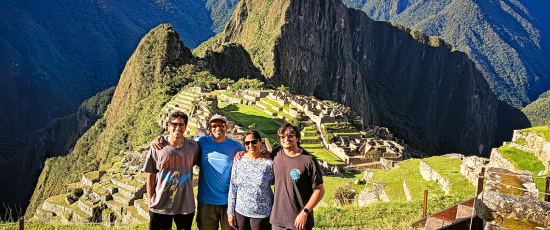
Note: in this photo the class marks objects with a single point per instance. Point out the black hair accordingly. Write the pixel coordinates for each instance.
(255, 133)
(293, 129)
(179, 114)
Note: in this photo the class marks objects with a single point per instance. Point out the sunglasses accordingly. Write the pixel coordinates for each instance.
(174, 125)
(221, 126)
(290, 135)
(253, 142)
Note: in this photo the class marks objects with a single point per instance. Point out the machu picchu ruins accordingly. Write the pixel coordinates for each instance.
(115, 194)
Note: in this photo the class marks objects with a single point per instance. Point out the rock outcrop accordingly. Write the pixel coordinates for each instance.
(495, 205)
(391, 75)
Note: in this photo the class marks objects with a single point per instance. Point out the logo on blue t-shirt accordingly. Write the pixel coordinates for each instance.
(295, 174)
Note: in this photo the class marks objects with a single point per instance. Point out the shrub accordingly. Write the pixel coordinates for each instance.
(297, 122)
(77, 192)
(520, 141)
(343, 195)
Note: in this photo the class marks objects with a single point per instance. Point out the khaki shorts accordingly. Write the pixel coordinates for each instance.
(210, 217)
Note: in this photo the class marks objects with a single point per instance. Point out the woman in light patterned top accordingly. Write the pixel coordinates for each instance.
(250, 195)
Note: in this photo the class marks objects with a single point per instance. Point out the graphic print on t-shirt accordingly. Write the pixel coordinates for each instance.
(174, 181)
(295, 174)
(218, 161)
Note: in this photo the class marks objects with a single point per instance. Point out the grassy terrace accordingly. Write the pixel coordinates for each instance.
(271, 102)
(59, 200)
(525, 161)
(450, 168)
(393, 179)
(274, 111)
(247, 115)
(543, 130)
(323, 155)
(93, 175)
(314, 146)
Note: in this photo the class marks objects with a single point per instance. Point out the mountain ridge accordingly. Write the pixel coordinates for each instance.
(505, 40)
(331, 52)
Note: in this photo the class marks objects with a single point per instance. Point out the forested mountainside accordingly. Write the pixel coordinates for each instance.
(538, 112)
(158, 69)
(508, 39)
(430, 94)
(20, 173)
(56, 54)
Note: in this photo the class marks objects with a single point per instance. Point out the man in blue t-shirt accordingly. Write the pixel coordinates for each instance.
(217, 152)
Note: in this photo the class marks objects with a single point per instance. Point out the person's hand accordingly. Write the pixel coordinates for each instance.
(232, 222)
(300, 221)
(157, 143)
(238, 156)
(266, 154)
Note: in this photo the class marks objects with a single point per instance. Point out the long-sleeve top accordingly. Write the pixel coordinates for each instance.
(250, 191)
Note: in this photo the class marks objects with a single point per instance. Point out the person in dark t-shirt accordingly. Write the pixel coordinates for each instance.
(298, 183)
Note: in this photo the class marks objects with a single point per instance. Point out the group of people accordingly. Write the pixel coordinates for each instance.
(231, 195)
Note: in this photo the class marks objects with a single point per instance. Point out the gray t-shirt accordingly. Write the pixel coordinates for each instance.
(295, 180)
(174, 176)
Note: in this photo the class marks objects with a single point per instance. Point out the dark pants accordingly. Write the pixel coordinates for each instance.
(285, 228)
(247, 223)
(212, 217)
(161, 221)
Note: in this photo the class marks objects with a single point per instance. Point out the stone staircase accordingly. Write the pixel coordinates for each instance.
(455, 217)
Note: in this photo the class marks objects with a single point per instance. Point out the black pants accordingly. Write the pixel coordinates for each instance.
(161, 221)
(247, 223)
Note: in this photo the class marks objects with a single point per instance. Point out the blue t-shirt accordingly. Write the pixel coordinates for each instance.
(215, 173)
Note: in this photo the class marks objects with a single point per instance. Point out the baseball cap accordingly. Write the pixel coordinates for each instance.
(218, 117)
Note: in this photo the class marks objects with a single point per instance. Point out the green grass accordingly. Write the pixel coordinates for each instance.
(331, 183)
(268, 108)
(381, 215)
(450, 169)
(309, 128)
(85, 227)
(247, 115)
(408, 170)
(545, 131)
(311, 145)
(525, 161)
(323, 155)
(58, 200)
(309, 131)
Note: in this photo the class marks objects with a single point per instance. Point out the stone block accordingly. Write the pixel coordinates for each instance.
(498, 205)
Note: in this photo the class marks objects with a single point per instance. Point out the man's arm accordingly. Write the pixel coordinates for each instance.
(157, 143)
(150, 186)
(318, 193)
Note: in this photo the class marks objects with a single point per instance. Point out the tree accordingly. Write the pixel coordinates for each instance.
(282, 88)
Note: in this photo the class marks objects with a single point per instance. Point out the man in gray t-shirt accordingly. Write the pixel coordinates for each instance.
(169, 178)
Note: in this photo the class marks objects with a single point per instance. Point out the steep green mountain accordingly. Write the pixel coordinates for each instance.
(156, 71)
(428, 93)
(20, 173)
(538, 112)
(509, 40)
(56, 54)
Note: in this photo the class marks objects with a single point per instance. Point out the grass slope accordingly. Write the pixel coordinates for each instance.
(525, 161)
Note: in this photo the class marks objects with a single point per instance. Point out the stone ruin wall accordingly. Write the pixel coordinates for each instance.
(499, 161)
(429, 174)
(535, 144)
